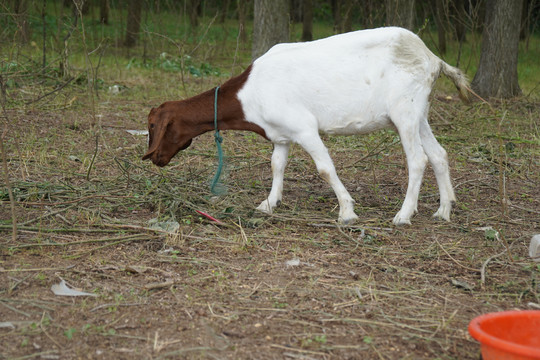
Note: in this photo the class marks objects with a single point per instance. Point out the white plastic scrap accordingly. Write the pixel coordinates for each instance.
(62, 289)
(534, 248)
(170, 226)
(293, 262)
(138, 132)
(296, 262)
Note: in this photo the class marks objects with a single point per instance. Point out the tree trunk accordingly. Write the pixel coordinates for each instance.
(104, 8)
(193, 12)
(133, 22)
(440, 20)
(307, 20)
(525, 21)
(241, 5)
(270, 25)
(296, 10)
(336, 13)
(497, 71)
(400, 13)
(20, 9)
(460, 19)
(224, 11)
(347, 16)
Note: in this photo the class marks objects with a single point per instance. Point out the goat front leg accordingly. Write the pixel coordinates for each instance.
(279, 161)
(416, 163)
(313, 144)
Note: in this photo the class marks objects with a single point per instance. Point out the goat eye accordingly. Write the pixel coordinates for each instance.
(151, 126)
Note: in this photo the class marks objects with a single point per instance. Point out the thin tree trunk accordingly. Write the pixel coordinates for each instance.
(400, 13)
(460, 17)
(347, 16)
(133, 22)
(336, 12)
(497, 72)
(193, 13)
(104, 9)
(241, 6)
(440, 19)
(307, 20)
(224, 11)
(20, 9)
(43, 13)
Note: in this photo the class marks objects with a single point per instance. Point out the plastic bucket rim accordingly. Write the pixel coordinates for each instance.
(489, 340)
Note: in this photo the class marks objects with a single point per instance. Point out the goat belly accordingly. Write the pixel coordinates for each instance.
(354, 126)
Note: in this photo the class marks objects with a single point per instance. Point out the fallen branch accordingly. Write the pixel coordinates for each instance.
(121, 238)
(484, 266)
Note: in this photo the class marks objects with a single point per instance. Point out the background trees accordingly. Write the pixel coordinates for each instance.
(270, 25)
(263, 23)
(497, 72)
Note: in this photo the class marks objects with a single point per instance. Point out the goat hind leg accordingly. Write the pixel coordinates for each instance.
(279, 161)
(416, 163)
(439, 161)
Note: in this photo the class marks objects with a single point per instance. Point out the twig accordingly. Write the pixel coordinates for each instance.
(51, 92)
(45, 332)
(93, 159)
(35, 269)
(114, 304)
(57, 230)
(126, 239)
(454, 260)
(484, 266)
(121, 238)
(47, 215)
(15, 309)
(4, 160)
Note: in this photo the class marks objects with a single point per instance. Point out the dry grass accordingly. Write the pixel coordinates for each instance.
(291, 285)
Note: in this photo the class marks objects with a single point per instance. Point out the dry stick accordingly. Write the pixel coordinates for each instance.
(484, 266)
(120, 238)
(58, 230)
(18, 270)
(454, 260)
(127, 239)
(93, 159)
(52, 92)
(45, 332)
(47, 215)
(502, 186)
(4, 163)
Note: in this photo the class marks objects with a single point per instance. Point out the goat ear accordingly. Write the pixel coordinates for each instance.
(159, 134)
(147, 155)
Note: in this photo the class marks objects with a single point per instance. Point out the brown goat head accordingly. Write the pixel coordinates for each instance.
(167, 134)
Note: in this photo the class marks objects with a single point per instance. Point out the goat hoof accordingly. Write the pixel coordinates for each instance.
(399, 221)
(443, 213)
(349, 220)
(441, 217)
(265, 207)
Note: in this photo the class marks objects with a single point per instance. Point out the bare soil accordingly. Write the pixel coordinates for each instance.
(293, 285)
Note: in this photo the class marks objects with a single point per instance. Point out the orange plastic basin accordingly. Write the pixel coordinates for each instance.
(508, 335)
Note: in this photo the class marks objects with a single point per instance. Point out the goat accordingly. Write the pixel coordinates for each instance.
(352, 83)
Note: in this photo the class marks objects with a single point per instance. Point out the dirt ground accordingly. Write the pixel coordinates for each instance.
(293, 285)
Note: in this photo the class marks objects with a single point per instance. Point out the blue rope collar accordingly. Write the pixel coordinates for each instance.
(219, 140)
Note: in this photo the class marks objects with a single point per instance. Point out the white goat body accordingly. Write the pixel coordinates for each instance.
(348, 84)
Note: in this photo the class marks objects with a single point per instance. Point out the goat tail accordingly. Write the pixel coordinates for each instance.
(459, 79)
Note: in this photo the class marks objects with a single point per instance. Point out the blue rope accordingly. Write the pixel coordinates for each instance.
(219, 140)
